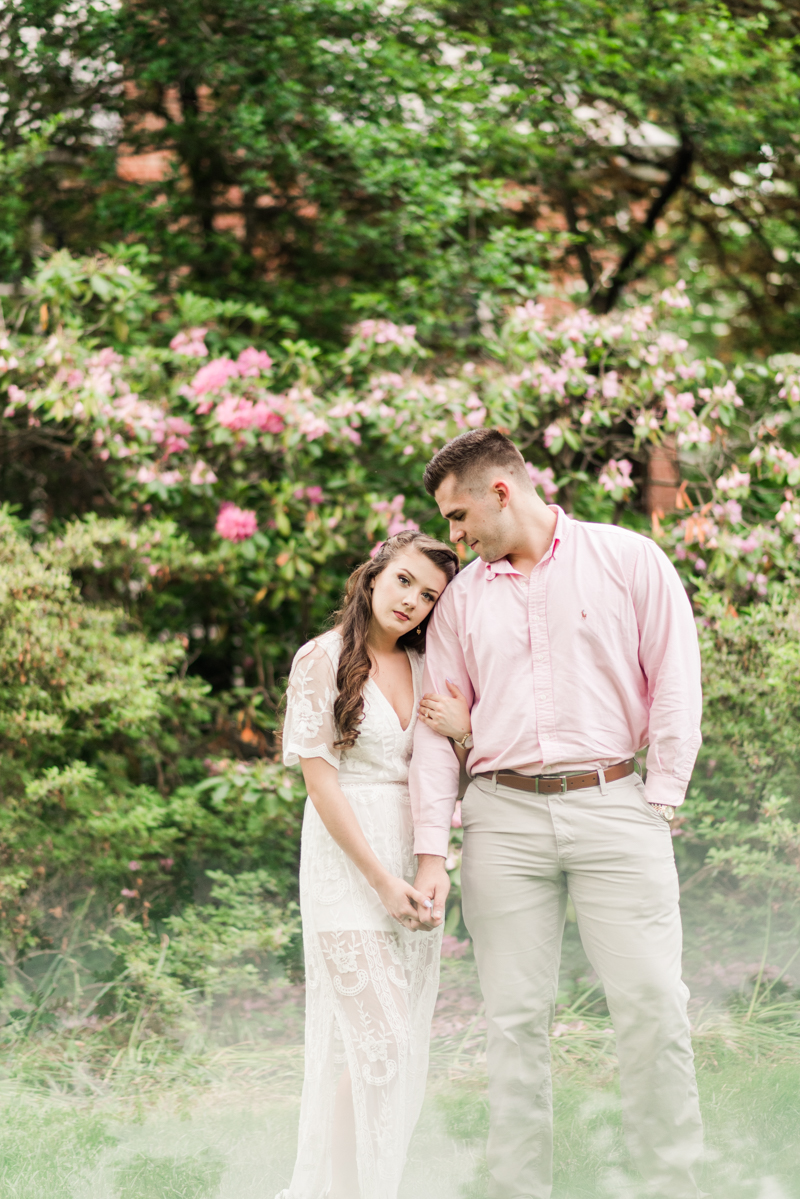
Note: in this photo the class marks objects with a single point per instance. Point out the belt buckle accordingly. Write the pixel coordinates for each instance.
(563, 784)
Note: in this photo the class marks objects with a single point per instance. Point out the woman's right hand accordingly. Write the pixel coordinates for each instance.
(402, 901)
(447, 715)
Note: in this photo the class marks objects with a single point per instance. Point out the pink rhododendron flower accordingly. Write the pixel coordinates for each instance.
(393, 511)
(734, 480)
(166, 863)
(543, 479)
(177, 431)
(214, 376)
(235, 413)
(694, 434)
(784, 461)
(476, 418)
(675, 297)
(189, 342)
(611, 385)
(16, 394)
(266, 418)
(550, 382)
(390, 507)
(235, 524)
(252, 361)
(578, 326)
(348, 407)
(312, 426)
(312, 494)
(134, 865)
(759, 581)
(128, 893)
(398, 525)
(531, 316)
(731, 511)
(677, 404)
(617, 475)
(671, 344)
(745, 545)
(571, 361)
(550, 434)
(201, 474)
(383, 332)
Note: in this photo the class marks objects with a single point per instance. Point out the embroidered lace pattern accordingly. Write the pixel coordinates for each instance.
(370, 984)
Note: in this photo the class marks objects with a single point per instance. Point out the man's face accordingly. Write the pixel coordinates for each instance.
(478, 516)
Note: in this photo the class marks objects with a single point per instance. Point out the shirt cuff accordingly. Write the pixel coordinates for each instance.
(659, 788)
(431, 839)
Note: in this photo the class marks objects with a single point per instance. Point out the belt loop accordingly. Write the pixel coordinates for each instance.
(601, 774)
(494, 781)
(536, 784)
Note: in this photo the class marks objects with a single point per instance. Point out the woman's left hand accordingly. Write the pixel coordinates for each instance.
(447, 715)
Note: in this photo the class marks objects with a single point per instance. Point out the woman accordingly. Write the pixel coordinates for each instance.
(371, 973)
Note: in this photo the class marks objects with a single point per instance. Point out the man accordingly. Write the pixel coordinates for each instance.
(575, 646)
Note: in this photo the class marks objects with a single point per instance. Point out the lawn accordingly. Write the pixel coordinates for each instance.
(217, 1119)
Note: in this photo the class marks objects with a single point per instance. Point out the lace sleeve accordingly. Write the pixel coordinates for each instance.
(309, 730)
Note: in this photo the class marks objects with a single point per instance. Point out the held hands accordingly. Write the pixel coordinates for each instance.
(434, 882)
(403, 903)
(447, 715)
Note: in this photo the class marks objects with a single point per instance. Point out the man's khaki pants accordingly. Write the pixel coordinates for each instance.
(612, 853)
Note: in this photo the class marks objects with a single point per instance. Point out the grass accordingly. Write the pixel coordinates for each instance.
(214, 1116)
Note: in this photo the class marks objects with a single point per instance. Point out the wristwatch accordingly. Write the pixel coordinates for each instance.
(465, 742)
(664, 810)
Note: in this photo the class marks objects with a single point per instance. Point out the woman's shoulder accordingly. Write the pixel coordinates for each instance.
(324, 648)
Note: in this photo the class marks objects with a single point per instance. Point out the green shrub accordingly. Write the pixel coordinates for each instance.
(741, 818)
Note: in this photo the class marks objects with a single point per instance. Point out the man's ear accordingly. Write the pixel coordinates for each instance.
(501, 489)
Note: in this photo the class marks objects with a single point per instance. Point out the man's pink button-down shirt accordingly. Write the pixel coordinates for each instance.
(581, 665)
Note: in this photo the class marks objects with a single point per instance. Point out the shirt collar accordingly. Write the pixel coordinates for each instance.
(504, 567)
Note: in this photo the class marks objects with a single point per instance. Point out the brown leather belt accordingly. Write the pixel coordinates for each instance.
(549, 784)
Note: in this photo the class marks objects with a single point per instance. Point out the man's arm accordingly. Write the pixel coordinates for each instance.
(434, 773)
(433, 776)
(670, 658)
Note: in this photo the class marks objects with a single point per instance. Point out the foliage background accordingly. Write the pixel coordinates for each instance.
(258, 262)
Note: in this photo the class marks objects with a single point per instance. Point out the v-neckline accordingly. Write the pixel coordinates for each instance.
(389, 703)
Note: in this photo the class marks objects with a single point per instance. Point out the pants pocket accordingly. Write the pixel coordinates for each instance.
(638, 787)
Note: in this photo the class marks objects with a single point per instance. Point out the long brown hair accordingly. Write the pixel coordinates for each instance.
(353, 620)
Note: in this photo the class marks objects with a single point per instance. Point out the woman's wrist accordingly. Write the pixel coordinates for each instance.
(378, 877)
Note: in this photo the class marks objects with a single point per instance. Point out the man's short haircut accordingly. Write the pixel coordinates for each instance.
(471, 454)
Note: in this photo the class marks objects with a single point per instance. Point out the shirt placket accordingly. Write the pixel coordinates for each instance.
(543, 698)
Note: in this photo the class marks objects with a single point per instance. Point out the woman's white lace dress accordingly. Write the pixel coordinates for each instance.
(370, 984)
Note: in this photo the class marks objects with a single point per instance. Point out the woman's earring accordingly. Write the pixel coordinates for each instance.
(419, 629)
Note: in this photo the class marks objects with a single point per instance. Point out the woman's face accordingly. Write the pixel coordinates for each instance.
(405, 591)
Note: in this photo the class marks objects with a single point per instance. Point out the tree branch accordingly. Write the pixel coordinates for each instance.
(580, 247)
(677, 178)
